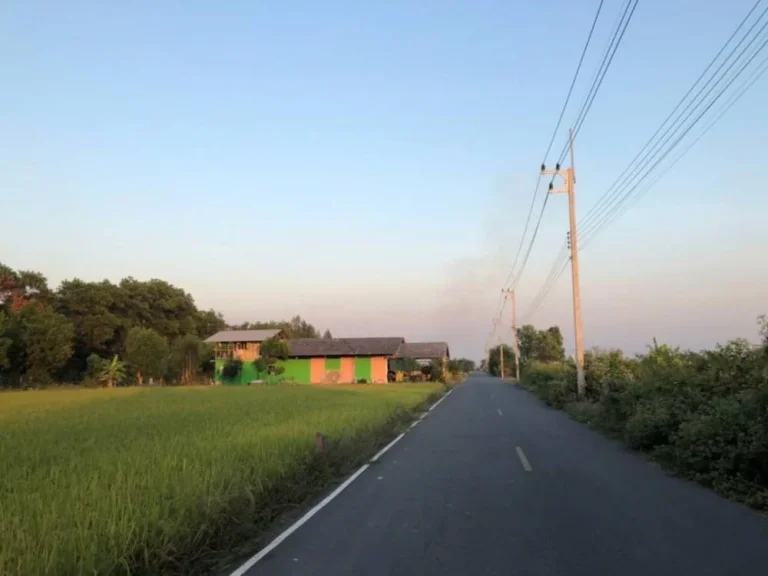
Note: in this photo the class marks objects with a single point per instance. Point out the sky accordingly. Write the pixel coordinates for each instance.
(369, 165)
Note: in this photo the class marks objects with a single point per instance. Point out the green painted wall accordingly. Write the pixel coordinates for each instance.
(363, 369)
(247, 374)
(296, 369)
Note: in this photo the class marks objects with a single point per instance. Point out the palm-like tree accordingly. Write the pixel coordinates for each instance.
(113, 372)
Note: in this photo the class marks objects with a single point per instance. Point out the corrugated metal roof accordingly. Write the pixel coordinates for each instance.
(417, 350)
(242, 335)
(386, 346)
(318, 347)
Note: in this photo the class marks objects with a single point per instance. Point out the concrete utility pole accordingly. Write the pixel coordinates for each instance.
(569, 176)
(515, 346)
(501, 356)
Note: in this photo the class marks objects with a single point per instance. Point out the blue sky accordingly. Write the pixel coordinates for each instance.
(370, 165)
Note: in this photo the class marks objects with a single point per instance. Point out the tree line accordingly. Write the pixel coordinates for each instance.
(535, 345)
(104, 332)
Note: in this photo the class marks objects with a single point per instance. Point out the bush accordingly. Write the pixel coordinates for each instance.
(436, 371)
(232, 368)
(702, 415)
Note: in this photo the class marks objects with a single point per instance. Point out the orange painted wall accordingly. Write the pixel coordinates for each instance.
(317, 370)
(379, 370)
(347, 370)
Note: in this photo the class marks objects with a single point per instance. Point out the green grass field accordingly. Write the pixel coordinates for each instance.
(145, 481)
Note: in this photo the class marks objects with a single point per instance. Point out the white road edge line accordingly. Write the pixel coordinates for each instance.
(499, 411)
(253, 560)
(299, 523)
(441, 399)
(381, 452)
(415, 422)
(523, 459)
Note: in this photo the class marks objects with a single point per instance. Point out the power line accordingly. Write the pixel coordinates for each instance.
(619, 199)
(628, 172)
(618, 35)
(552, 140)
(756, 75)
(558, 265)
(598, 81)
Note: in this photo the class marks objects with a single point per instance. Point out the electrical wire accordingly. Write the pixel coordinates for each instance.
(756, 75)
(552, 140)
(618, 35)
(558, 265)
(619, 199)
(624, 202)
(629, 173)
(602, 71)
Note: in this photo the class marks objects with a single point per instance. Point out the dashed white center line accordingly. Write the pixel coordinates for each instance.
(499, 411)
(523, 459)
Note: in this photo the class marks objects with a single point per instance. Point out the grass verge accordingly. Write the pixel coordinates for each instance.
(148, 481)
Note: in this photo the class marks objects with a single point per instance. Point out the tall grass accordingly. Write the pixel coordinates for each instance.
(154, 480)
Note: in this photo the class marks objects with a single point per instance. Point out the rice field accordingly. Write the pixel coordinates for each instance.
(147, 481)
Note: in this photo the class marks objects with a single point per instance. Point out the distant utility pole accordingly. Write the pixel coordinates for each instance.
(501, 356)
(515, 346)
(569, 176)
(490, 340)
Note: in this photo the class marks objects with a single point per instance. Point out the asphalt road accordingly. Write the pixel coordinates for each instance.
(453, 498)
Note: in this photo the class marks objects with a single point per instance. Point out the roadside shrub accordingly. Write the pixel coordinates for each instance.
(555, 383)
(702, 415)
(436, 371)
(603, 367)
(232, 368)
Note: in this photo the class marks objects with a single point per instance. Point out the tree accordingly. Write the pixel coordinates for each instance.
(542, 345)
(95, 366)
(188, 353)
(46, 338)
(91, 307)
(156, 304)
(147, 352)
(300, 328)
(494, 365)
(5, 342)
(327, 335)
(461, 365)
(274, 348)
(209, 322)
(527, 337)
(436, 371)
(549, 345)
(270, 351)
(113, 372)
(405, 365)
(296, 328)
(762, 323)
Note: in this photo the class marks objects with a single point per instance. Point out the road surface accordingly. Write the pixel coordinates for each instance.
(494, 482)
